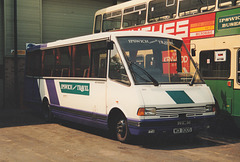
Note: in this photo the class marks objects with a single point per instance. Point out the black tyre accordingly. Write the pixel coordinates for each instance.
(47, 115)
(122, 131)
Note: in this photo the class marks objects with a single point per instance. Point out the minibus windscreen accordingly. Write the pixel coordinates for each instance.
(158, 59)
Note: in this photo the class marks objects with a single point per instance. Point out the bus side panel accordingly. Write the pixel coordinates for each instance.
(53, 97)
(127, 99)
(79, 116)
(81, 101)
(31, 91)
(236, 107)
(85, 95)
(224, 95)
(225, 89)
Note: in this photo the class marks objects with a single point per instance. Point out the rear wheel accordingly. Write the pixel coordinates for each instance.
(47, 115)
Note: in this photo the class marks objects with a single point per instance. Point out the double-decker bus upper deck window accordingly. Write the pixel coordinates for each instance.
(227, 3)
(112, 21)
(161, 10)
(134, 16)
(98, 21)
(215, 63)
(237, 3)
(191, 7)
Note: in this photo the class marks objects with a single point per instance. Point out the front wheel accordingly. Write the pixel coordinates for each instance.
(122, 131)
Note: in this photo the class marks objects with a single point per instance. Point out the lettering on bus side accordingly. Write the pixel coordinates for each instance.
(179, 28)
(226, 22)
(75, 88)
(194, 27)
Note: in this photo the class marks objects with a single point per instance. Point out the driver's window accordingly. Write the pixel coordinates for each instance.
(117, 70)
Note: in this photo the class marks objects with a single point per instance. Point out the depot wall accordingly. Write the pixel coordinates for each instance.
(38, 21)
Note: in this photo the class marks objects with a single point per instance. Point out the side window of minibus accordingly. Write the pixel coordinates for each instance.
(117, 71)
(33, 67)
(81, 60)
(62, 68)
(48, 62)
(98, 59)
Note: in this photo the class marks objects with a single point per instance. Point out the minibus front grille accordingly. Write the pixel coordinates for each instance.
(176, 112)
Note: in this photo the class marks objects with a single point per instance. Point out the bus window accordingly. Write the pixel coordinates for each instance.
(226, 3)
(156, 60)
(237, 3)
(191, 7)
(98, 20)
(81, 61)
(160, 10)
(33, 63)
(238, 69)
(134, 16)
(215, 63)
(117, 71)
(62, 68)
(99, 59)
(48, 62)
(112, 21)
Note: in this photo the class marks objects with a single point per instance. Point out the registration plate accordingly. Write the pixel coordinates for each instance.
(182, 130)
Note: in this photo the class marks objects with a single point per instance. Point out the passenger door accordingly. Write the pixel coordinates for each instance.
(98, 71)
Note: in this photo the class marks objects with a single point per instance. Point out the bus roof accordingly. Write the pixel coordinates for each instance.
(94, 37)
(121, 6)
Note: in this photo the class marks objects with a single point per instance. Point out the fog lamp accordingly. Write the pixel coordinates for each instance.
(210, 108)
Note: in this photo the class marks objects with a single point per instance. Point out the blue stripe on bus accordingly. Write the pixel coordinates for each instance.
(52, 92)
(79, 116)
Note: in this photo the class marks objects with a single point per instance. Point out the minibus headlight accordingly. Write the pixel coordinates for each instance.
(148, 111)
(210, 108)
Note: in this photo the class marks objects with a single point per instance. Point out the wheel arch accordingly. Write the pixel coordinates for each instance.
(45, 99)
(113, 114)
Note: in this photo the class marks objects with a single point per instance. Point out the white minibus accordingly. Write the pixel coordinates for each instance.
(131, 83)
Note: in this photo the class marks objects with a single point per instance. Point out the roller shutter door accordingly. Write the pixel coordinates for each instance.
(64, 19)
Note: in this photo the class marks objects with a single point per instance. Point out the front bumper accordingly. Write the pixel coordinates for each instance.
(163, 126)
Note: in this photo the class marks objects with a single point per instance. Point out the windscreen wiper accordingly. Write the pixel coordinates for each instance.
(155, 82)
(193, 79)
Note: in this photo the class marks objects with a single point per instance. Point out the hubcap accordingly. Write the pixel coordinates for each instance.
(121, 128)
